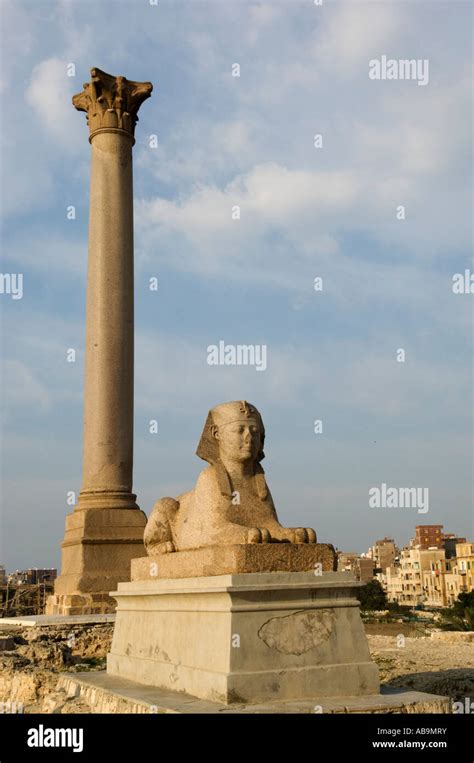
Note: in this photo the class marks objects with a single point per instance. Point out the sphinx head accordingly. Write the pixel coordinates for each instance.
(233, 431)
(238, 432)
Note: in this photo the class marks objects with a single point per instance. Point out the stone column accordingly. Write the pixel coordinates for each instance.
(105, 531)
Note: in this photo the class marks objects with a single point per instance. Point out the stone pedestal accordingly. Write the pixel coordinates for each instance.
(244, 638)
(98, 547)
(235, 558)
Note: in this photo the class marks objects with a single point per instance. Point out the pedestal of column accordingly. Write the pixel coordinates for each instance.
(105, 530)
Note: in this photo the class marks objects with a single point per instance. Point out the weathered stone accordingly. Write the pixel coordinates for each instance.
(107, 694)
(244, 638)
(231, 560)
(7, 643)
(299, 632)
(111, 103)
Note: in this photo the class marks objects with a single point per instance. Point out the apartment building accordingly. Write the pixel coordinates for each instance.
(428, 536)
(384, 553)
(414, 564)
(427, 577)
(362, 567)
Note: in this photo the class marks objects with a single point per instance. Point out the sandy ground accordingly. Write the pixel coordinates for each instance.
(423, 664)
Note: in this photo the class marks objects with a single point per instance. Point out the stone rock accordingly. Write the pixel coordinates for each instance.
(7, 643)
(234, 559)
(298, 633)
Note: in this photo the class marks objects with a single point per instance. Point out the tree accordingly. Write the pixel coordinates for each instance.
(372, 596)
(459, 617)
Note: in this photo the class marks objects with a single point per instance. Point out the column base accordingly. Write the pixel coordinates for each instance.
(84, 604)
(99, 544)
(244, 638)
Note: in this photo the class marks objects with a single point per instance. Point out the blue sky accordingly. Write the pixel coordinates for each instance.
(305, 212)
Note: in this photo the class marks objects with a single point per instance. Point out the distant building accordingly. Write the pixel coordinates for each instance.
(450, 541)
(361, 567)
(450, 577)
(406, 583)
(435, 583)
(384, 553)
(465, 565)
(430, 578)
(18, 577)
(392, 583)
(33, 575)
(364, 569)
(41, 575)
(3, 575)
(428, 536)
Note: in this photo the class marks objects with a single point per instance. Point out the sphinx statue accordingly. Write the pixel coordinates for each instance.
(230, 502)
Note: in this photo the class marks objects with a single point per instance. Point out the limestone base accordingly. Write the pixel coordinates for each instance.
(98, 547)
(80, 604)
(244, 638)
(107, 694)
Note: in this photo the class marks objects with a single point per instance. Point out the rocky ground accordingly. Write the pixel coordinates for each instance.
(29, 671)
(425, 664)
(32, 658)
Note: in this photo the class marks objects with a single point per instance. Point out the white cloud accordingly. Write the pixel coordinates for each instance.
(292, 227)
(211, 148)
(350, 32)
(418, 135)
(49, 93)
(269, 196)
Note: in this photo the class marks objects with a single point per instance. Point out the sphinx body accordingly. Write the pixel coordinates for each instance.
(231, 502)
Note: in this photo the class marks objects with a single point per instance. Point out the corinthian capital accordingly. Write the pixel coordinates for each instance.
(111, 103)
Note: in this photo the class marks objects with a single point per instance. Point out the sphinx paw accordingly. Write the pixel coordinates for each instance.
(300, 535)
(311, 535)
(167, 547)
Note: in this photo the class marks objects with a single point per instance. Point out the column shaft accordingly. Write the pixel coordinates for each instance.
(108, 385)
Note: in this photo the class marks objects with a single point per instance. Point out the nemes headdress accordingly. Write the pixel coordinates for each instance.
(208, 448)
